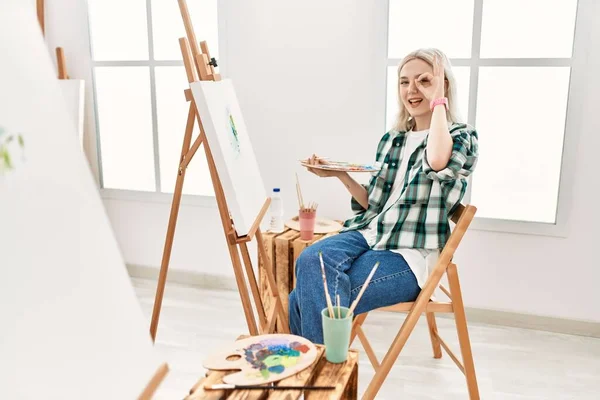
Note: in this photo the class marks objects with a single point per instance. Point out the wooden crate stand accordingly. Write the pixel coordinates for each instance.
(283, 250)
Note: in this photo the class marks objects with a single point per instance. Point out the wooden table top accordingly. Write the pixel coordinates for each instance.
(321, 373)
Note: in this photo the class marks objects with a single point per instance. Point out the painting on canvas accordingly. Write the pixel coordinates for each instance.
(232, 150)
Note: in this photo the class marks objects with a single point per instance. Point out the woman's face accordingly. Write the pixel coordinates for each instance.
(414, 101)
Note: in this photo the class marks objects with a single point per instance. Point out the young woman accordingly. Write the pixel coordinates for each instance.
(402, 215)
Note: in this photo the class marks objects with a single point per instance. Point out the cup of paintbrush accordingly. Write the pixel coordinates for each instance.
(336, 323)
(307, 217)
(336, 333)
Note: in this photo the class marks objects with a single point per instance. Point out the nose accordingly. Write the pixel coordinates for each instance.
(412, 87)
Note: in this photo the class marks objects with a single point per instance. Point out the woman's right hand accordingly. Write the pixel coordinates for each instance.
(323, 173)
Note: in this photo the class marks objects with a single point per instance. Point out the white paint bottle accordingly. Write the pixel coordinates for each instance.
(276, 212)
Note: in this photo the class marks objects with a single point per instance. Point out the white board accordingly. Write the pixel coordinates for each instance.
(74, 93)
(70, 324)
(232, 150)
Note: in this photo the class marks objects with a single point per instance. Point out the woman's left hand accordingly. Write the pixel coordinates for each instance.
(433, 86)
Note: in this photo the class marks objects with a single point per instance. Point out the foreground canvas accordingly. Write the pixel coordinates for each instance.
(70, 324)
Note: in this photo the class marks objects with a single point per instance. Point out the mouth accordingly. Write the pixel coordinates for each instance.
(414, 103)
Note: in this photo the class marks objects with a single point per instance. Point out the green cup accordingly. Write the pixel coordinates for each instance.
(336, 335)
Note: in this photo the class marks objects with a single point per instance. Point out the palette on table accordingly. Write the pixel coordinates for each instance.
(263, 359)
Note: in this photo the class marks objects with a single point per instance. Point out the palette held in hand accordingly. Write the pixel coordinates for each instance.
(342, 166)
(263, 359)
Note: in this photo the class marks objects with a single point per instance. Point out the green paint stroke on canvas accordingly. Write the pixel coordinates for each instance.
(234, 139)
(8, 142)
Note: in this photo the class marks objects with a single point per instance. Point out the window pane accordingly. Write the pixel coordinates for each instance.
(125, 127)
(172, 117)
(118, 30)
(521, 142)
(447, 25)
(463, 83)
(167, 27)
(551, 35)
(462, 75)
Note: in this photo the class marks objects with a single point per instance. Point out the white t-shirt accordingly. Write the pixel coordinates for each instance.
(420, 261)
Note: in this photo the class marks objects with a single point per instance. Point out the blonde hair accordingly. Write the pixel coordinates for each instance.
(404, 122)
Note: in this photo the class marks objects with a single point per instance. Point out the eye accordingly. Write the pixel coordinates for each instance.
(404, 83)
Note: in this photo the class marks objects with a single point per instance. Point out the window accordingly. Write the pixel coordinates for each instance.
(139, 81)
(503, 64)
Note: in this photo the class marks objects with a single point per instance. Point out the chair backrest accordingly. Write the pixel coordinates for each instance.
(458, 213)
(462, 218)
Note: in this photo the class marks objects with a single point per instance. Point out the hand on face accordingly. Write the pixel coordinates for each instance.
(432, 85)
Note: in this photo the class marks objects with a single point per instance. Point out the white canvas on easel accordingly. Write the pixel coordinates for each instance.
(71, 326)
(232, 150)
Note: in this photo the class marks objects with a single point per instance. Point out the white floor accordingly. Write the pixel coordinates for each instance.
(511, 363)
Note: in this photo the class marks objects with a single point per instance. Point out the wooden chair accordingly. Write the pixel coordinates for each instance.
(462, 218)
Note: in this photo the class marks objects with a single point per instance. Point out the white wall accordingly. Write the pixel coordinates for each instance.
(310, 77)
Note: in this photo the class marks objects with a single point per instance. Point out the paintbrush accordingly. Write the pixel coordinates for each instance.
(305, 160)
(221, 386)
(327, 298)
(362, 290)
(299, 193)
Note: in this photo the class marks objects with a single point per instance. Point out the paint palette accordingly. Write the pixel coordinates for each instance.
(343, 166)
(263, 359)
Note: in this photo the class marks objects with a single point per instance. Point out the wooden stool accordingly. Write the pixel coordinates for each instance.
(343, 376)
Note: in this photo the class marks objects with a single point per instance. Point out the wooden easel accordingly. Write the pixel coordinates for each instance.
(61, 63)
(199, 63)
(155, 381)
(60, 54)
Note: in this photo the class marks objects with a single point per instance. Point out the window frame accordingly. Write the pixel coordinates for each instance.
(158, 195)
(578, 70)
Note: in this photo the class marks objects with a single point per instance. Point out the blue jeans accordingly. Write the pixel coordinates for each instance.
(348, 261)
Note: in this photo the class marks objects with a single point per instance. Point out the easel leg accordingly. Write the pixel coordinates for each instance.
(156, 380)
(253, 285)
(164, 266)
(242, 288)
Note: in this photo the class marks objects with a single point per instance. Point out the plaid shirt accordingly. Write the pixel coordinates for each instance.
(419, 219)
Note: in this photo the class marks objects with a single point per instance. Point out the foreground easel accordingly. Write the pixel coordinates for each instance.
(150, 389)
(201, 64)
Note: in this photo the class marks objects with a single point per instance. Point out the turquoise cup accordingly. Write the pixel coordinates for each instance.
(336, 335)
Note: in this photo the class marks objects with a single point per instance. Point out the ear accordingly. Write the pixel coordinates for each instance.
(446, 84)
